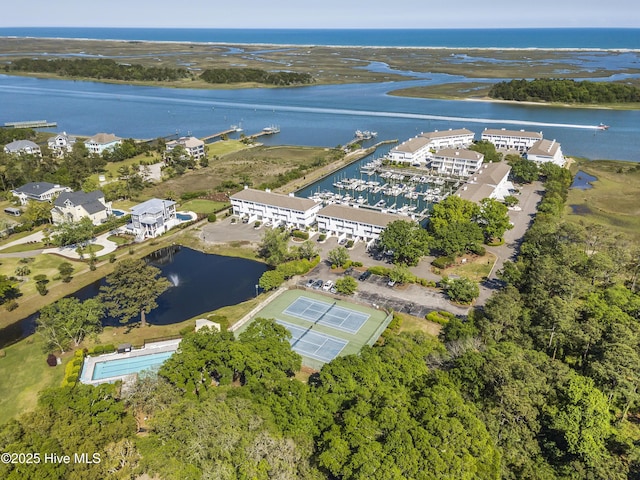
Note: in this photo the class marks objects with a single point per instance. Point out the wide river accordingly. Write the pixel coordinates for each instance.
(316, 115)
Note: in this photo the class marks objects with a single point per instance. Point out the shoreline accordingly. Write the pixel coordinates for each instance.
(318, 45)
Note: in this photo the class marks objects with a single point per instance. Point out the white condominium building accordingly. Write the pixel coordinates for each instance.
(460, 162)
(505, 139)
(491, 181)
(279, 209)
(458, 138)
(353, 223)
(413, 151)
(546, 151)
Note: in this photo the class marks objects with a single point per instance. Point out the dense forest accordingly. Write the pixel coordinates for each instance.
(542, 383)
(111, 70)
(565, 91)
(239, 75)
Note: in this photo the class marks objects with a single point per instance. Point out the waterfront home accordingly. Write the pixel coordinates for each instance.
(491, 181)
(22, 147)
(152, 218)
(458, 138)
(460, 162)
(101, 142)
(504, 139)
(266, 206)
(74, 206)
(38, 191)
(353, 223)
(61, 143)
(193, 146)
(546, 151)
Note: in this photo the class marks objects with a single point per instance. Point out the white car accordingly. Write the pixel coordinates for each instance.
(328, 285)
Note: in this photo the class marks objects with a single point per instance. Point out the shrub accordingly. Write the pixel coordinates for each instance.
(322, 237)
(212, 217)
(346, 285)
(109, 348)
(349, 244)
(11, 305)
(478, 249)
(379, 270)
(441, 317)
(2, 353)
(188, 329)
(300, 234)
(42, 288)
(192, 195)
(394, 326)
(112, 258)
(461, 290)
(443, 262)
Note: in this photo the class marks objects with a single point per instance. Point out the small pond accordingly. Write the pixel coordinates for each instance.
(583, 181)
(200, 283)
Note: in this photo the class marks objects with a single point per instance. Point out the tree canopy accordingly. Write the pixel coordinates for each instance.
(408, 241)
(132, 290)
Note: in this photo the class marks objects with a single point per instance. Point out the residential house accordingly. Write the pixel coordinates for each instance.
(38, 191)
(101, 142)
(61, 143)
(278, 209)
(460, 162)
(491, 181)
(22, 147)
(73, 206)
(504, 139)
(153, 217)
(192, 145)
(353, 223)
(546, 151)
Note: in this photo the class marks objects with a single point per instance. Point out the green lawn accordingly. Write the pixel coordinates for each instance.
(45, 264)
(222, 147)
(23, 247)
(475, 268)
(203, 206)
(23, 373)
(111, 169)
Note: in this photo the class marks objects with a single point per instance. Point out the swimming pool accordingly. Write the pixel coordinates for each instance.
(184, 217)
(125, 366)
(118, 213)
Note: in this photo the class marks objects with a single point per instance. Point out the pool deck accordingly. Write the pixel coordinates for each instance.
(90, 362)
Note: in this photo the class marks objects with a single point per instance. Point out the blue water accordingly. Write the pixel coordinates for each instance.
(117, 213)
(583, 181)
(184, 217)
(322, 115)
(125, 366)
(596, 38)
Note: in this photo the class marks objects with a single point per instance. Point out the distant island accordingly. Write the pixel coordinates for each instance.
(106, 69)
(565, 91)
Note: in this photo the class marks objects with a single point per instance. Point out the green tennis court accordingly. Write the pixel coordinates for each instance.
(323, 326)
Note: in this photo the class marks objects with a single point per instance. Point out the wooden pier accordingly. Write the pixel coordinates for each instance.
(31, 124)
(208, 138)
(265, 131)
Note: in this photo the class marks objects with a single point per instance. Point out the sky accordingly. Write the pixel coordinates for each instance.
(322, 13)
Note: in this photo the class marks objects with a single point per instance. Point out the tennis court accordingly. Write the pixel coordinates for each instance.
(312, 344)
(329, 314)
(323, 326)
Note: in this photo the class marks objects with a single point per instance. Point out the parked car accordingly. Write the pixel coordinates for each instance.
(310, 283)
(333, 290)
(391, 283)
(342, 241)
(364, 275)
(327, 285)
(318, 284)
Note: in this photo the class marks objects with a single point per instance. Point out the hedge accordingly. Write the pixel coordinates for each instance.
(443, 262)
(300, 234)
(440, 317)
(72, 369)
(297, 267)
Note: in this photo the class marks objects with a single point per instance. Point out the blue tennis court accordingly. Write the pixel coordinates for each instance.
(328, 314)
(312, 344)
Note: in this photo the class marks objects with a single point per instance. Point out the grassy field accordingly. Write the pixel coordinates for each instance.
(412, 324)
(252, 166)
(614, 200)
(203, 206)
(474, 268)
(450, 91)
(24, 373)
